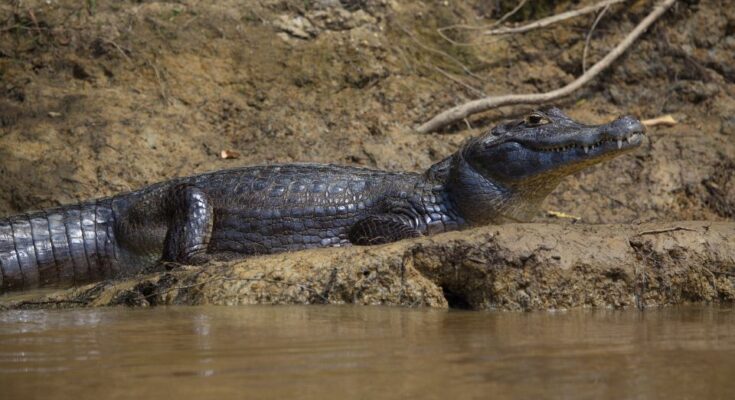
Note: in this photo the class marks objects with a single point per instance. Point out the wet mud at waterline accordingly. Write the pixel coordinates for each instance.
(102, 98)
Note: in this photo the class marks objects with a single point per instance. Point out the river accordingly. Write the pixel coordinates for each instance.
(338, 352)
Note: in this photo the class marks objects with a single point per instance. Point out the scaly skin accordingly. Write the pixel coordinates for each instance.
(503, 175)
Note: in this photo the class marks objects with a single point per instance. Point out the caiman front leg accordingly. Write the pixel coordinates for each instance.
(189, 227)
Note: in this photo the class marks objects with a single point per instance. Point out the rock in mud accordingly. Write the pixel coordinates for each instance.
(296, 26)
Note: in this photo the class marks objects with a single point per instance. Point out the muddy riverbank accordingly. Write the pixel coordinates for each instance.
(102, 97)
(507, 267)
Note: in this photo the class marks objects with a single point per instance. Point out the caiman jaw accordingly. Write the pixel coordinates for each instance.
(603, 145)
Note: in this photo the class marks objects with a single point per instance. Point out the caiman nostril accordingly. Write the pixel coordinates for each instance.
(627, 124)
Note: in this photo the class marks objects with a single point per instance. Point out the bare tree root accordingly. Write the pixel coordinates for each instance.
(460, 112)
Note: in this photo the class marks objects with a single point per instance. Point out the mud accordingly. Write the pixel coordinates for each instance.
(102, 97)
(508, 267)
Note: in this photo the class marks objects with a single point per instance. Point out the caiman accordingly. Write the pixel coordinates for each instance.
(503, 175)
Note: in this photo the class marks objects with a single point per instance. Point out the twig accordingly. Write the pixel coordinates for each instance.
(32, 15)
(657, 231)
(459, 112)
(459, 81)
(510, 13)
(553, 19)
(502, 19)
(666, 120)
(562, 215)
(118, 48)
(402, 54)
(159, 79)
(589, 37)
(189, 21)
(436, 51)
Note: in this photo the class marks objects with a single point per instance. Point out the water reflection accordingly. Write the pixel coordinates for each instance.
(337, 352)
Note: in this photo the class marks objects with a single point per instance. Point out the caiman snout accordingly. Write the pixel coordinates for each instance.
(626, 132)
(625, 126)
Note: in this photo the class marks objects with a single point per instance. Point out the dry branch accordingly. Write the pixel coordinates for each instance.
(665, 230)
(459, 81)
(665, 120)
(437, 51)
(589, 37)
(460, 112)
(525, 28)
(502, 19)
(553, 19)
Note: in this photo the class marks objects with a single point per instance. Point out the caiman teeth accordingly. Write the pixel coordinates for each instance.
(587, 147)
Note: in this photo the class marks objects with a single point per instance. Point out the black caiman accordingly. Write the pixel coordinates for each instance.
(503, 175)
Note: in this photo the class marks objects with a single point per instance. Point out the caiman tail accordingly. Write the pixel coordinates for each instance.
(60, 247)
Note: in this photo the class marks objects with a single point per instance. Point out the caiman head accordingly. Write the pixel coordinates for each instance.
(509, 171)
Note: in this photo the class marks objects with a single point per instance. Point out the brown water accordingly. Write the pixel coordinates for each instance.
(325, 352)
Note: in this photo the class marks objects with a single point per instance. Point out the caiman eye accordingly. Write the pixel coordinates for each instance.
(536, 119)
